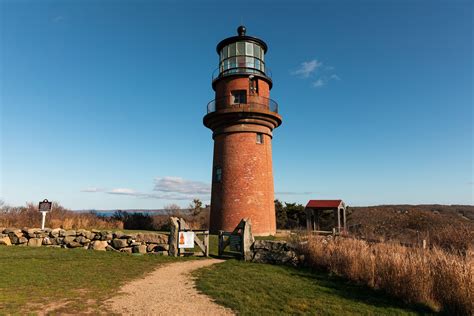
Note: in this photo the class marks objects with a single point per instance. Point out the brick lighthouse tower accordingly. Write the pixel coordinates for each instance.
(242, 118)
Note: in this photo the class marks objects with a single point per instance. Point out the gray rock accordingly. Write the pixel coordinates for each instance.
(110, 248)
(119, 243)
(152, 238)
(139, 249)
(89, 235)
(135, 243)
(11, 230)
(99, 245)
(47, 241)
(59, 240)
(22, 240)
(5, 241)
(74, 244)
(81, 232)
(70, 233)
(83, 240)
(55, 232)
(127, 250)
(69, 239)
(157, 247)
(118, 234)
(35, 242)
(173, 238)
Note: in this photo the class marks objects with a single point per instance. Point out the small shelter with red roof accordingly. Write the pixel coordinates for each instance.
(315, 209)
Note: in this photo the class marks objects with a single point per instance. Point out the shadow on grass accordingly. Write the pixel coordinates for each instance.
(355, 292)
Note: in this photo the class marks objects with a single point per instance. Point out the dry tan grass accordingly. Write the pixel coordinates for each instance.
(434, 277)
(59, 217)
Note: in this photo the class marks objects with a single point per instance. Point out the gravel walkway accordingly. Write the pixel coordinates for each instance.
(169, 290)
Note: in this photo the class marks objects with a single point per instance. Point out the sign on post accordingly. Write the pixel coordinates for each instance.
(186, 240)
(44, 207)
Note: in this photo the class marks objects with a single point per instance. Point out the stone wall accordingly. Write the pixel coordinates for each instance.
(275, 252)
(156, 243)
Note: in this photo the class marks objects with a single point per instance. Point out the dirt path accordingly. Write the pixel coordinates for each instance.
(169, 290)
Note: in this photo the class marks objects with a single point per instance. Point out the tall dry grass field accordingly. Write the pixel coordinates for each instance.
(437, 278)
(59, 217)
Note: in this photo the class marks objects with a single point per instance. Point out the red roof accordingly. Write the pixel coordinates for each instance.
(323, 203)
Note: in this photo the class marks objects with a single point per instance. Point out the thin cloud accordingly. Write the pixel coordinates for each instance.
(123, 191)
(319, 83)
(166, 188)
(180, 185)
(92, 189)
(307, 68)
(58, 19)
(320, 73)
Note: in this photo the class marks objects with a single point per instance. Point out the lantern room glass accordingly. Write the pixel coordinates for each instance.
(241, 57)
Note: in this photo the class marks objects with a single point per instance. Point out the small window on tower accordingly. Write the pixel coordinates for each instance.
(253, 85)
(259, 138)
(239, 96)
(218, 174)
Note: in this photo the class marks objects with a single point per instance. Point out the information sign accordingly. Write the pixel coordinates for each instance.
(186, 240)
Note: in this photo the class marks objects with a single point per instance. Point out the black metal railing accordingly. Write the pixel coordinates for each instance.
(251, 102)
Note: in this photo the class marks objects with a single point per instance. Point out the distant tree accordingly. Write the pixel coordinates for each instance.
(173, 209)
(295, 214)
(195, 207)
(280, 213)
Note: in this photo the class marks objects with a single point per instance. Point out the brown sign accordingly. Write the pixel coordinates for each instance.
(45, 206)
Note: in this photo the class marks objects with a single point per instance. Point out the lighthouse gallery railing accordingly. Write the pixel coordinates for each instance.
(251, 102)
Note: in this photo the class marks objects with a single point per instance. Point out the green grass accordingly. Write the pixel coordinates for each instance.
(250, 288)
(77, 279)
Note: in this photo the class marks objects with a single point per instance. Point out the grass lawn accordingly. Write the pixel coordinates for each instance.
(251, 288)
(72, 280)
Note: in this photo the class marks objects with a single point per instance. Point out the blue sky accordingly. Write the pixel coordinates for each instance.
(102, 101)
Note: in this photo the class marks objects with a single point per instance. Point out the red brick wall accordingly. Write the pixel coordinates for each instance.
(246, 189)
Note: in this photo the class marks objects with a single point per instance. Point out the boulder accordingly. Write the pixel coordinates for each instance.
(83, 240)
(152, 238)
(47, 241)
(15, 237)
(55, 232)
(70, 233)
(89, 235)
(106, 236)
(11, 230)
(22, 241)
(119, 243)
(157, 247)
(35, 242)
(118, 234)
(5, 241)
(74, 244)
(59, 240)
(98, 245)
(69, 239)
(139, 249)
(126, 249)
(110, 248)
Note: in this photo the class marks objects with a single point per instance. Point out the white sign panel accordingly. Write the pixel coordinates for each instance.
(186, 240)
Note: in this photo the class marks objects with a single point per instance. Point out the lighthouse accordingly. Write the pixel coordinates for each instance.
(242, 118)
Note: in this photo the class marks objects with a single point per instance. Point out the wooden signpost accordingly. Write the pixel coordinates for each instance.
(44, 207)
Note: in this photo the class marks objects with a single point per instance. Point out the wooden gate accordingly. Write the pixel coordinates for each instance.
(238, 241)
